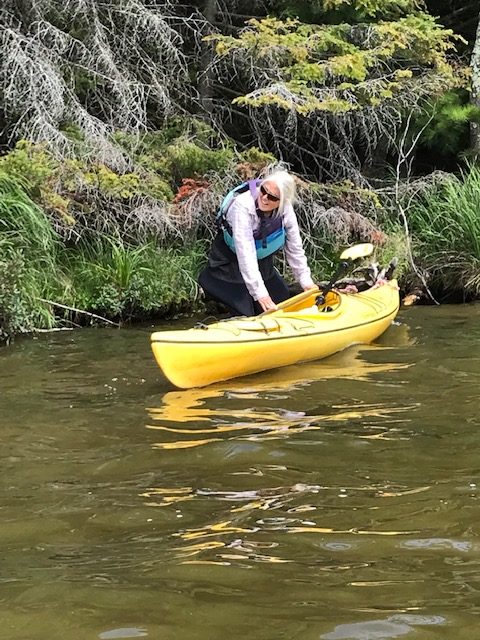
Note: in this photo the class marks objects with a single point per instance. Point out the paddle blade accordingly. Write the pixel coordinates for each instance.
(357, 251)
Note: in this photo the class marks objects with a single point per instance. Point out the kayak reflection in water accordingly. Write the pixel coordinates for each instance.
(255, 221)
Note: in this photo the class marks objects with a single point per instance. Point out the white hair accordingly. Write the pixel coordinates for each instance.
(286, 186)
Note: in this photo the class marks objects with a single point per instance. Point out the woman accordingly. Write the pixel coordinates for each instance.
(258, 222)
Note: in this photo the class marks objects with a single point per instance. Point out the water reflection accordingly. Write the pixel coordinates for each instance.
(261, 409)
(257, 424)
(238, 420)
(123, 632)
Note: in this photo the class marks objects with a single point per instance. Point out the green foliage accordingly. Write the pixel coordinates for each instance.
(64, 188)
(185, 148)
(347, 195)
(373, 8)
(22, 221)
(15, 316)
(39, 172)
(304, 60)
(173, 128)
(122, 281)
(446, 124)
(448, 217)
(124, 186)
(394, 246)
(21, 286)
(446, 224)
(111, 184)
(188, 159)
(113, 277)
(30, 162)
(255, 156)
(350, 11)
(28, 246)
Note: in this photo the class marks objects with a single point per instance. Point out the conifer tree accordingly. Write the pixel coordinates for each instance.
(329, 95)
(96, 65)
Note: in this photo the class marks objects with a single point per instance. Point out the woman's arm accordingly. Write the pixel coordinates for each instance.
(294, 251)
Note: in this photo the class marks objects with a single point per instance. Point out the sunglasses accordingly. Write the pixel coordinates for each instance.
(269, 195)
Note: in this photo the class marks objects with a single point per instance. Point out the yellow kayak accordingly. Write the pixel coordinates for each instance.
(300, 330)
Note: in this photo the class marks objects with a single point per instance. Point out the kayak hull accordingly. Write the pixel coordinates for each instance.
(298, 332)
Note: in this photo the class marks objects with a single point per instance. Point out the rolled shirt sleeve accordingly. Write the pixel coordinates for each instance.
(294, 251)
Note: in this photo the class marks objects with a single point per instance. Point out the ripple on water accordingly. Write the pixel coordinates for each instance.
(123, 632)
(392, 627)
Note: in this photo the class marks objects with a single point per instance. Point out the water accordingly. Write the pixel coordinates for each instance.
(328, 501)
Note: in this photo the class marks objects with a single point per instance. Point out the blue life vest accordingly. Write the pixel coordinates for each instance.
(270, 235)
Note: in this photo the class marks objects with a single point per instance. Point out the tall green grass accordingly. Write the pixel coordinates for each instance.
(121, 281)
(445, 223)
(28, 247)
(106, 275)
(23, 222)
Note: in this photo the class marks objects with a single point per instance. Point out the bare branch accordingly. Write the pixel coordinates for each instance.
(403, 159)
(87, 313)
(98, 66)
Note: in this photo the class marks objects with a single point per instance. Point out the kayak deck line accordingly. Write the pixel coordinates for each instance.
(275, 337)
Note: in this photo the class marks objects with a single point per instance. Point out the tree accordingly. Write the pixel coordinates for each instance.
(329, 95)
(96, 65)
(475, 126)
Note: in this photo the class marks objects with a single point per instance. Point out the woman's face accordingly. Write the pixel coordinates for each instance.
(268, 196)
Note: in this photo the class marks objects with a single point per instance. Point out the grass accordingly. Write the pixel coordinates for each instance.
(28, 246)
(108, 276)
(445, 222)
(127, 282)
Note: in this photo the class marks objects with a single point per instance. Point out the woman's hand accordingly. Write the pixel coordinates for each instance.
(311, 286)
(266, 303)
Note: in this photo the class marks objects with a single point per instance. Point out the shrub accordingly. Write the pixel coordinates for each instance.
(117, 280)
(446, 222)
